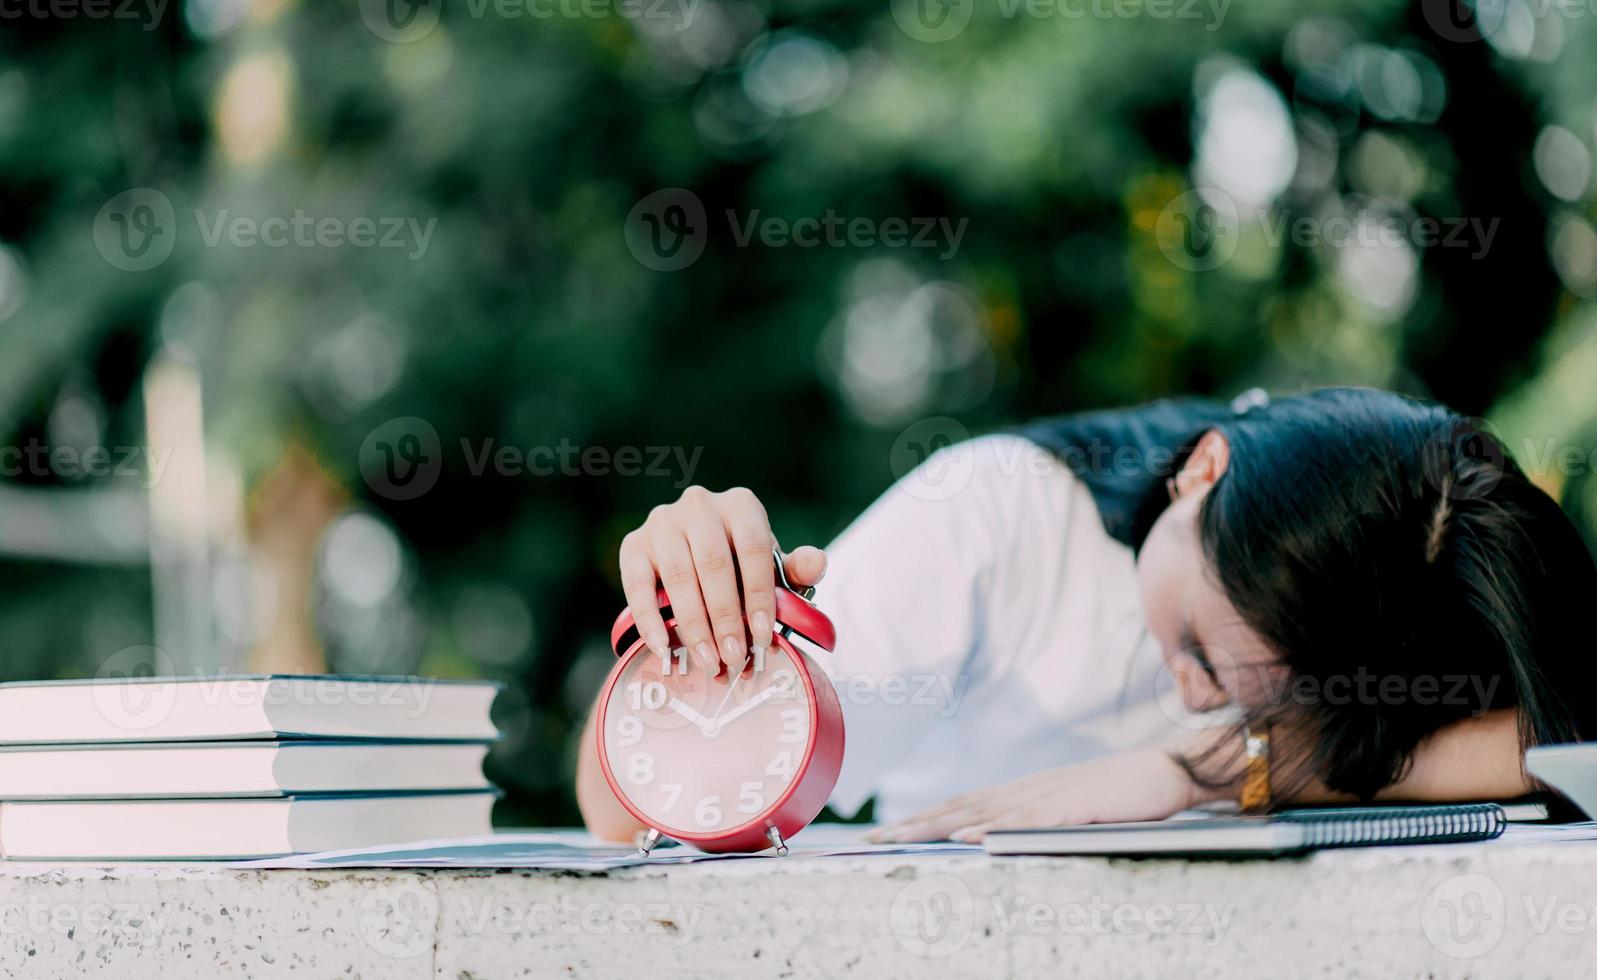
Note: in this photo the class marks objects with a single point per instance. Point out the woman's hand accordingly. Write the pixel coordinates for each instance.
(1142, 784)
(697, 548)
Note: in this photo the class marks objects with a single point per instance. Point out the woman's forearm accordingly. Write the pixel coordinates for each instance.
(601, 811)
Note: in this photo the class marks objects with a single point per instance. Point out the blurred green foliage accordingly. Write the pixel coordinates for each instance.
(1061, 143)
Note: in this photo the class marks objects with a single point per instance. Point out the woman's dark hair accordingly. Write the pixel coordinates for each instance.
(1409, 574)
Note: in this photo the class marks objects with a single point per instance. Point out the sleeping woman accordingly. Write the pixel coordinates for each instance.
(1342, 595)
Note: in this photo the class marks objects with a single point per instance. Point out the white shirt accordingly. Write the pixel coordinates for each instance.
(987, 628)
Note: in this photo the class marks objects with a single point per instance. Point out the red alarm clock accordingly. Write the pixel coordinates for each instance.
(736, 765)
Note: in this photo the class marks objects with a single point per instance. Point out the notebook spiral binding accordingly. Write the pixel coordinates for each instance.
(1361, 826)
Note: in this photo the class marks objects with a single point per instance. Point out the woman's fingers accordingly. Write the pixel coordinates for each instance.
(805, 566)
(967, 824)
(961, 802)
(1024, 818)
(899, 829)
(937, 828)
(1058, 810)
(712, 554)
(1138, 784)
(969, 809)
(931, 824)
(638, 580)
(679, 575)
(750, 532)
(718, 584)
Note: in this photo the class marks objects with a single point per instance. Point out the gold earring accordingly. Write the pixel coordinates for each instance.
(1172, 488)
(1256, 781)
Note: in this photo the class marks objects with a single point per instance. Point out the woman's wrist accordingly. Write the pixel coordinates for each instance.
(1207, 748)
(1164, 764)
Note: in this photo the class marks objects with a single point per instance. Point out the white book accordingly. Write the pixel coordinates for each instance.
(213, 830)
(1571, 769)
(267, 706)
(156, 770)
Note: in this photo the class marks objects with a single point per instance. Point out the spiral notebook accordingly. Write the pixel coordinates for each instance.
(1289, 832)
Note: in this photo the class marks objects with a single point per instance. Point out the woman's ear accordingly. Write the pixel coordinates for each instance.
(1207, 464)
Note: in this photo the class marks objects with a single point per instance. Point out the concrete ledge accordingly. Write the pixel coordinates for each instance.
(1441, 912)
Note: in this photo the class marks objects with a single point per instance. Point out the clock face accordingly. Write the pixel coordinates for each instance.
(699, 756)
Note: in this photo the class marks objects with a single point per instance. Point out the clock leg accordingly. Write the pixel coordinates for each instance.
(647, 843)
(775, 837)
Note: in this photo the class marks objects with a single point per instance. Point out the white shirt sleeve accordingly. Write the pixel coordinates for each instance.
(908, 589)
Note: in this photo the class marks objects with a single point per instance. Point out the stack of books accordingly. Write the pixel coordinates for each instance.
(239, 767)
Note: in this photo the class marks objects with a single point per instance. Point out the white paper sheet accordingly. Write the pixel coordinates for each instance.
(1553, 833)
(576, 850)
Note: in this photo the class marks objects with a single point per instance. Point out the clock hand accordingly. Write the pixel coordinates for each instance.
(702, 723)
(727, 696)
(746, 707)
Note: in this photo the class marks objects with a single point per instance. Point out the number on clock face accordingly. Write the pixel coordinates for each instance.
(700, 755)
